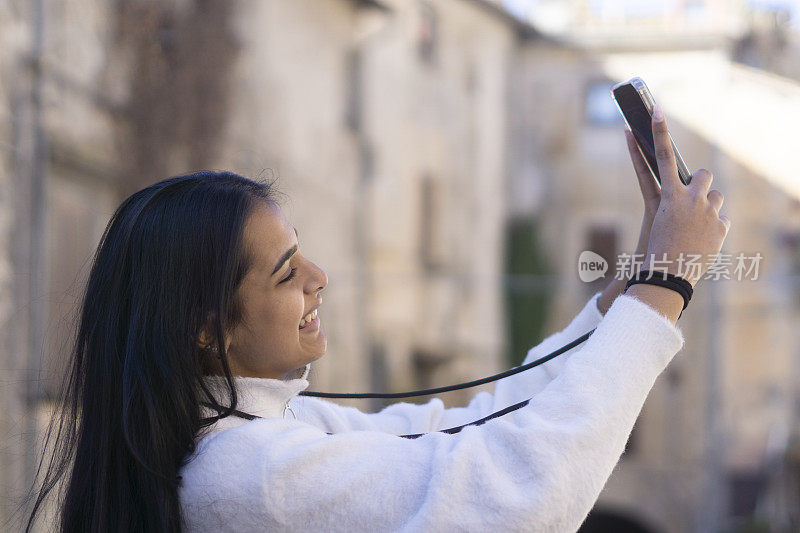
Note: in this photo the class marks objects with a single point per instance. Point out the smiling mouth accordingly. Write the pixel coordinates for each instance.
(311, 327)
(309, 320)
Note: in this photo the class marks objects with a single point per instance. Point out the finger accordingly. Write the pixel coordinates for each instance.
(715, 198)
(701, 181)
(647, 181)
(665, 157)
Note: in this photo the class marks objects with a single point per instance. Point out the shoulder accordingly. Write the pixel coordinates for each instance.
(231, 464)
(252, 437)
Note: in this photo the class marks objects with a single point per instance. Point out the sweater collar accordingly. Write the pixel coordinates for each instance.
(264, 397)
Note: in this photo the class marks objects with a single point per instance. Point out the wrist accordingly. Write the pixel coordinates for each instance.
(668, 264)
(666, 301)
(614, 288)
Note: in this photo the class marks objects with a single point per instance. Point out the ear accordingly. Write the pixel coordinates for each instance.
(205, 338)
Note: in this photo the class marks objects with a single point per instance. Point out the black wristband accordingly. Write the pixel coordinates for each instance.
(664, 279)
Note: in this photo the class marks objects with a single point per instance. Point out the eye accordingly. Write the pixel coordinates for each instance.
(290, 276)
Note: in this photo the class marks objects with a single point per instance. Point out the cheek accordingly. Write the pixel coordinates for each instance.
(277, 314)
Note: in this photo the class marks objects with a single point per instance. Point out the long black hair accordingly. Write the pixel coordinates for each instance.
(168, 266)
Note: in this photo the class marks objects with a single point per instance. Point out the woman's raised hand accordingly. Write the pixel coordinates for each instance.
(687, 221)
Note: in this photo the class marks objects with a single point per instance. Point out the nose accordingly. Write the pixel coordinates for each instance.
(318, 280)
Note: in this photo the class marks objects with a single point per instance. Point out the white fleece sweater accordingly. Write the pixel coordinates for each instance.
(540, 468)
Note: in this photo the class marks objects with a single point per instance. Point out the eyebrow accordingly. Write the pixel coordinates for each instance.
(286, 255)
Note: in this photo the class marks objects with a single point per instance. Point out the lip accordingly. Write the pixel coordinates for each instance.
(312, 309)
(311, 326)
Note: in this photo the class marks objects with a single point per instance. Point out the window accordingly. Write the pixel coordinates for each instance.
(599, 107)
(431, 231)
(353, 102)
(379, 374)
(427, 33)
(602, 240)
(425, 365)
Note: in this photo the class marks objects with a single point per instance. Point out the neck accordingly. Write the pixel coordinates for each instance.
(297, 373)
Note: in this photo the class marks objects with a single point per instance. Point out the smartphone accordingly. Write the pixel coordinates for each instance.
(636, 105)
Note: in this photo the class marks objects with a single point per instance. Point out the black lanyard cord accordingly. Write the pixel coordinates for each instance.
(456, 429)
(481, 381)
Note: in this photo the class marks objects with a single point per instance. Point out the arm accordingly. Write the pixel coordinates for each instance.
(406, 417)
(538, 469)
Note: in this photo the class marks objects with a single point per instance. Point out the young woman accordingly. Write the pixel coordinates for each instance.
(201, 312)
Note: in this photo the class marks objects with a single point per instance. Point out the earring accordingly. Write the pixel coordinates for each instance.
(213, 349)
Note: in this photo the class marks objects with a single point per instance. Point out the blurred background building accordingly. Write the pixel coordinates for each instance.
(445, 161)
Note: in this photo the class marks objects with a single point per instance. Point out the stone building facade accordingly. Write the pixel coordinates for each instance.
(406, 136)
(383, 123)
(716, 445)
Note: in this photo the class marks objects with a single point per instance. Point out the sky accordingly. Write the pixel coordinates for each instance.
(522, 8)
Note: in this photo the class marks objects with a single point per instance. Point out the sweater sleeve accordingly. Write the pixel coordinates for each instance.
(540, 468)
(408, 417)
